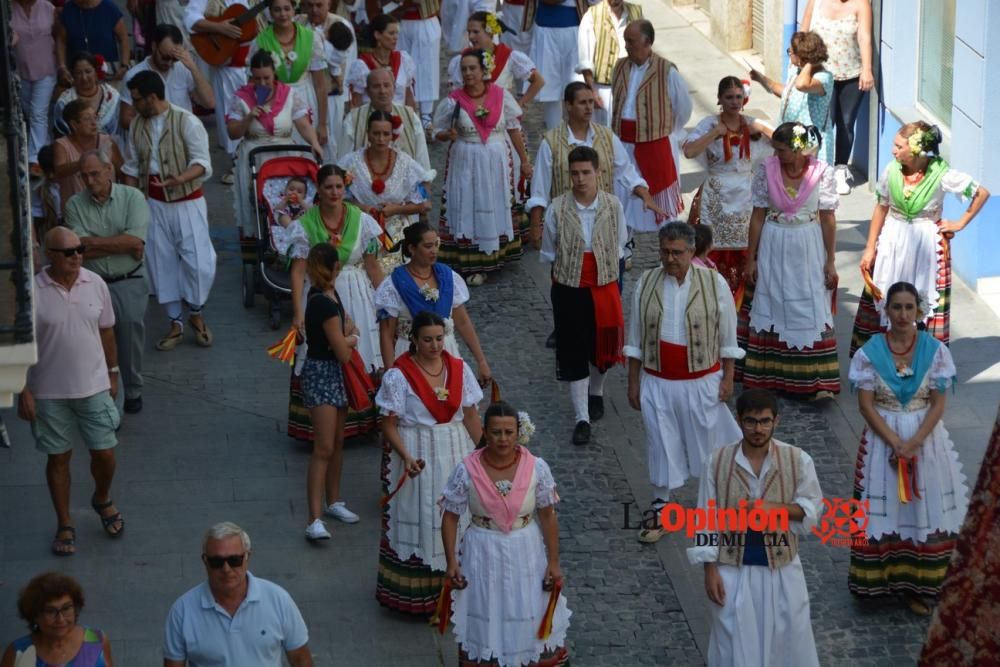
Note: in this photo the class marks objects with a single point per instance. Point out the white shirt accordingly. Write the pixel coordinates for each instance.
(625, 173)
(587, 214)
(179, 83)
(673, 327)
(586, 40)
(680, 99)
(195, 11)
(194, 135)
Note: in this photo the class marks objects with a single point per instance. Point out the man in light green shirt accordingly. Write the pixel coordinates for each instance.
(111, 221)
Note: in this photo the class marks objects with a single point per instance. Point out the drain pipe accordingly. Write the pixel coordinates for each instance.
(789, 26)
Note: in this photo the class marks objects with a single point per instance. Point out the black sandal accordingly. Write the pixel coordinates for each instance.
(64, 542)
(108, 521)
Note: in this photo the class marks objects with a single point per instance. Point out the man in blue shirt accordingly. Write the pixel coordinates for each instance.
(97, 27)
(234, 618)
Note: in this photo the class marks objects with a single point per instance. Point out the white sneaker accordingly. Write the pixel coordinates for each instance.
(317, 531)
(338, 510)
(842, 174)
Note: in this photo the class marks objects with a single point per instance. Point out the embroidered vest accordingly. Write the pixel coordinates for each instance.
(605, 29)
(653, 114)
(732, 486)
(701, 317)
(531, 8)
(406, 142)
(171, 151)
(570, 245)
(558, 138)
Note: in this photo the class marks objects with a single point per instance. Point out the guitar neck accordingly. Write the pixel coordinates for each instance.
(251, 14)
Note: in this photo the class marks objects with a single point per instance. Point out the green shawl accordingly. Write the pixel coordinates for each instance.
(267, 41)
(923, 191)
(316, 231)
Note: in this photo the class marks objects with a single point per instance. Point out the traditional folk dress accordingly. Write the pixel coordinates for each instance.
(969, 602)
(179, 251)
(765, 619)
(476, 225)
(502, 556)
(337, 63)
(107, 111)
(226, 79)
(404, 71)
(601, 42)
(407, 133)
(554, 43)
(810, 109)
(789, 340)
(680, 332)
(295, 67)
(651, 103)
(725, 195)
(401, 298)
(411, 561)
(911, 247)
(403, 185)
(420, 36)
(274, 127)
(909, 544)
(455, 19)
(359, 237)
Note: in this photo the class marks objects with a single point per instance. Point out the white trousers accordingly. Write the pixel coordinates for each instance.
(519, 40)
(36, 98)
(603, 116)
(422, 40)
(225, 81)
(179, 251)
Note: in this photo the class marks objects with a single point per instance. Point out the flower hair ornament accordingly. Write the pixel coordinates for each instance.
(493, 25)
(348, 178)
(746, 91)
(525, 428)
(805, 139)
(924, 143)
(489, 63)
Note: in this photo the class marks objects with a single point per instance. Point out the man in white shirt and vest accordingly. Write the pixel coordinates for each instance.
(681, 353)
(754, 578)
(651, 107)
(584, 238)
(168, 161)
(600, 43)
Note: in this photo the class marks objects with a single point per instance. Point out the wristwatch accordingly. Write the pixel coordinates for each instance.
(113, 369)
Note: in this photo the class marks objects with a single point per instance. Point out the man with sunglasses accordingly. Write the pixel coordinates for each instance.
(73, 385)
(681, 345)
(234, 618)
(112, 220)
(182, 78)
(760, 610)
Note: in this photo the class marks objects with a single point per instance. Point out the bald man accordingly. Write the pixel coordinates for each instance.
(72, 387)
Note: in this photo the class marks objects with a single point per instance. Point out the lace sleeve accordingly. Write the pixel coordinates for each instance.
(758, 189)
(300, 109)
(461, 291)
(545, 485)
(862, 374)
(828, 198)
(511, 112)
(291, 240)
(942, 373)
(370, 231)
(959, 183)
(387, 299)
(472, 393)
(391, 396)
(520, 65)
(455, 495)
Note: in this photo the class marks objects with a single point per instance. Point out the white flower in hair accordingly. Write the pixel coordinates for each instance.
(525, 428)
(799, 130)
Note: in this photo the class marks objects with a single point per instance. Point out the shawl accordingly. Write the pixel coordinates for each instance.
(776, 186)
(248, 94)
(922, 192)
(503, 510)
(442, 409)
(416, 302)
(268, 41)
(395, 61)
(501, 54)
(316, 231)
(878, 352)
(492, 102)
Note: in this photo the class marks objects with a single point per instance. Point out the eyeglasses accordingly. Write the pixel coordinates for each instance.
(671, 252)
(69, 252)
(53, 613)
(750, 422)
(216, 562)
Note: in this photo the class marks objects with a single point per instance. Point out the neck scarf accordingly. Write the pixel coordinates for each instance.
(316, 231)
(776, 185)
(492, 103)
(501, 54)
(442, 409)
(248, 94)
(503, 510)
(268, 41)
(416, 302)
(395, 59)
(878, 352)
(921, 193)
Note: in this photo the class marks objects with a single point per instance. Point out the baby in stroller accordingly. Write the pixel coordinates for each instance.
(293, 205)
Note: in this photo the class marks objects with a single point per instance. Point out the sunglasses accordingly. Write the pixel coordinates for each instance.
(216, 562)
(69, 252)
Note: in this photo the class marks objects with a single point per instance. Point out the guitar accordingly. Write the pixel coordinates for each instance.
(216, 49)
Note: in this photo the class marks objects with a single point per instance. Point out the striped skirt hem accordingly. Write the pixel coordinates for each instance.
(556, 658)
(770, 364)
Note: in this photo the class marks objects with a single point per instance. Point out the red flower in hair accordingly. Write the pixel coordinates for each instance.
(100, 67)
(397, 122)
(378, 186)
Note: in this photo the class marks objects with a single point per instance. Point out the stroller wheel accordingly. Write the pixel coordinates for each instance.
(249, 285)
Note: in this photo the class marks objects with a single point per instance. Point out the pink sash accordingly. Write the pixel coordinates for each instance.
(248, 95)
(776, 186)
(503, 510)
(493, 101)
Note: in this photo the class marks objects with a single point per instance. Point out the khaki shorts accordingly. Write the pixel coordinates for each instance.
(56, 419)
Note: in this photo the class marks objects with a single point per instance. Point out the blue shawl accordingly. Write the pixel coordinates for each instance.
(877, 351)
(415, 302)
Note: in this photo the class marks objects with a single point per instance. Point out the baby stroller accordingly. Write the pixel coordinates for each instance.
(265, 270)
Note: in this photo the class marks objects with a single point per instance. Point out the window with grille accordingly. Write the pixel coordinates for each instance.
(757, 18)
(936, 59)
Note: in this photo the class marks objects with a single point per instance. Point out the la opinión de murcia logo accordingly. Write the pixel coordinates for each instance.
(843, 523)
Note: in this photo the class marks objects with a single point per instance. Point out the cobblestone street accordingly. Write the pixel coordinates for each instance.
(210, 445)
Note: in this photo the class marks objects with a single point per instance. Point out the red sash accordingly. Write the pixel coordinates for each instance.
(441, 410)
(159, 194)
(608, 318)
(501, 54)
(395, 59)
(655, 159)
(674, 364)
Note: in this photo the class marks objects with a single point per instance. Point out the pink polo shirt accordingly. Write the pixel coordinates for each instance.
(68, 325)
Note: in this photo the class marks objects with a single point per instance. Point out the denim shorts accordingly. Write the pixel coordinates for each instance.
(56, 419)
(323, 383)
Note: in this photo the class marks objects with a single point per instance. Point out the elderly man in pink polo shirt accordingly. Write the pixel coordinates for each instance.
(74, 382)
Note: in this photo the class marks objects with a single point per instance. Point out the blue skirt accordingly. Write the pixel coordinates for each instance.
(323, 383)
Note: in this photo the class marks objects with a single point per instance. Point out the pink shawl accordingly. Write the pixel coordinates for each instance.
(493, 101)
(248, 95)
(503, 510)
(776, 186)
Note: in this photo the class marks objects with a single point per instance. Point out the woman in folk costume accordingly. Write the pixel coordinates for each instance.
(258, 122)
(430, 423)
(481, 120)
(908, 470)
(508, 65)
(907, 240)
(504, 573)
(300, 61)
(790, 264)
(387, 183)
(355, 235)
(731, 143)
(384, 30)
(424, 284)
